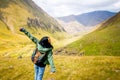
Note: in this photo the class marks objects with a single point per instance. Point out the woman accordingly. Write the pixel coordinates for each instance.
(42, 47)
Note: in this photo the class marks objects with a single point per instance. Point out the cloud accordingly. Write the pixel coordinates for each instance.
(58, 8)
(117, 5)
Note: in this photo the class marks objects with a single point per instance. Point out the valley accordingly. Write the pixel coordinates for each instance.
(84, 49)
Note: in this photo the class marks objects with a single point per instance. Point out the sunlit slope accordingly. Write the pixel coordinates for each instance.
(16, 13)
(16, 45)
(24, 13)
(104, 41)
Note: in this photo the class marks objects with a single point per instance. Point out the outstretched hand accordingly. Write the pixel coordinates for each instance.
(22, 29)
(53, 72)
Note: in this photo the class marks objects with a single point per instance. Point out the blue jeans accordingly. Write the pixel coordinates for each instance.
(39, 71)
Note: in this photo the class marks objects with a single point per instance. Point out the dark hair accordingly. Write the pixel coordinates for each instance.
(44, 42)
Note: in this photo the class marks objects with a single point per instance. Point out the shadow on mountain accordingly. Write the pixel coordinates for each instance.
(4, 3)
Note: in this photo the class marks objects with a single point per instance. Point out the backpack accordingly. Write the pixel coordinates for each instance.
(38, 58)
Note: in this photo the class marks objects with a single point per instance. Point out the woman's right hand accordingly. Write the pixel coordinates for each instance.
(22, 29)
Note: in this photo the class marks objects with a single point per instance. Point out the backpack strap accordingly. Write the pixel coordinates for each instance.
(38, 56)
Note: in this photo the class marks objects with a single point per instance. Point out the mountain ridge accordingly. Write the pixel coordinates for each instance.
(90, 18)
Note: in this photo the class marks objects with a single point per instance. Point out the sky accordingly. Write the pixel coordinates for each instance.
(59, 8)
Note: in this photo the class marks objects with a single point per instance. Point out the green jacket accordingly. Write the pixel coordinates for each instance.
(48, 51)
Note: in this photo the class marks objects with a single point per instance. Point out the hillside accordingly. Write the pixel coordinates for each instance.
(17, 13)
(90, 18)
(72, 27)
(24, 13)
(75, 28)
(103, 41)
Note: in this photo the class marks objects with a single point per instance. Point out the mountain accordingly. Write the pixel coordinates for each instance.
(103, 41)
(75, 28)
(67, 19)
(90, 18)
(24, 13)
(17, 13)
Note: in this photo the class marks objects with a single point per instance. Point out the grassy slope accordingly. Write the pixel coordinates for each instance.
(68, 68)
(16, 12)
(104, 41)
(13, 15)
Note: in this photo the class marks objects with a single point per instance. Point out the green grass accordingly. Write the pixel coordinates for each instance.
(68, 68)
(104, 41)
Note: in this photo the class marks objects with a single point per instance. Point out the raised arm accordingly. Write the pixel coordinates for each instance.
(35, 40)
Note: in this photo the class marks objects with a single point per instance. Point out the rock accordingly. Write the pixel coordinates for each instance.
(11, 67)
(20, 57)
